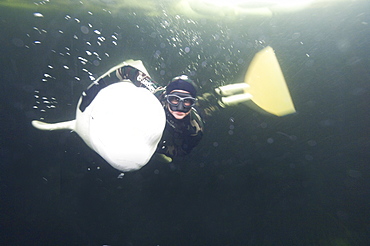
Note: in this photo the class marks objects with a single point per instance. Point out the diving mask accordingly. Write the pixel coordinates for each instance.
(180, 101)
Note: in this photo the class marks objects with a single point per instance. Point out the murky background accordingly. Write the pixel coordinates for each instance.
(254, 179)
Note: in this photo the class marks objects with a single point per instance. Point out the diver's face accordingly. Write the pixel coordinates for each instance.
(179, 115)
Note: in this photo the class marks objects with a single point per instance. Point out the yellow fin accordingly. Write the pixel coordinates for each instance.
(267, 84)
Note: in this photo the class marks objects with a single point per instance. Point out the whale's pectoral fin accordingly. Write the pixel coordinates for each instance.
(54, 126)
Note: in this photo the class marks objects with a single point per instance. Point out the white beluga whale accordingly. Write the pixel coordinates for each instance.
(122, 123)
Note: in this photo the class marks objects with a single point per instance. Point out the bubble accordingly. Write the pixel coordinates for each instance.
(231, 132)
(38, 15)
(215, 144)
(84, 29)
(187, 49)
(157, 54)
(270, 140)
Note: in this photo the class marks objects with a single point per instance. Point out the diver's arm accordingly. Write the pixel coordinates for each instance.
(138, 78)
(118, 74)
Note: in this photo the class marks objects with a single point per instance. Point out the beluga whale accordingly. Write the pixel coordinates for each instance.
(122, 123)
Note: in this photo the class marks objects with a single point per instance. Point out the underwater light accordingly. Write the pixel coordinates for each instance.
(243, 8)
(256, 3)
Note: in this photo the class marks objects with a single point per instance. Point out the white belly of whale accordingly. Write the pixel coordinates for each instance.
(123, 124)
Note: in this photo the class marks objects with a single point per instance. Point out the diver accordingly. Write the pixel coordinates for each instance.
(184, 124)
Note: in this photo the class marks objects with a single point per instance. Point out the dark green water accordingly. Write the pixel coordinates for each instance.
(254, 179)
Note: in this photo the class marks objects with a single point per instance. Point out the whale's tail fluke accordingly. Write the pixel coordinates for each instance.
(54, 126)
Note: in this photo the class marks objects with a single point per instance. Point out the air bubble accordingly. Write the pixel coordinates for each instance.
(38, 15)
(84, 29)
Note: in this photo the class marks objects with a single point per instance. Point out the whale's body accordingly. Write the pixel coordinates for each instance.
(123, 124)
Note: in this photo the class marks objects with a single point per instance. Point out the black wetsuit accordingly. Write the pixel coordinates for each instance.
(179, 136)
